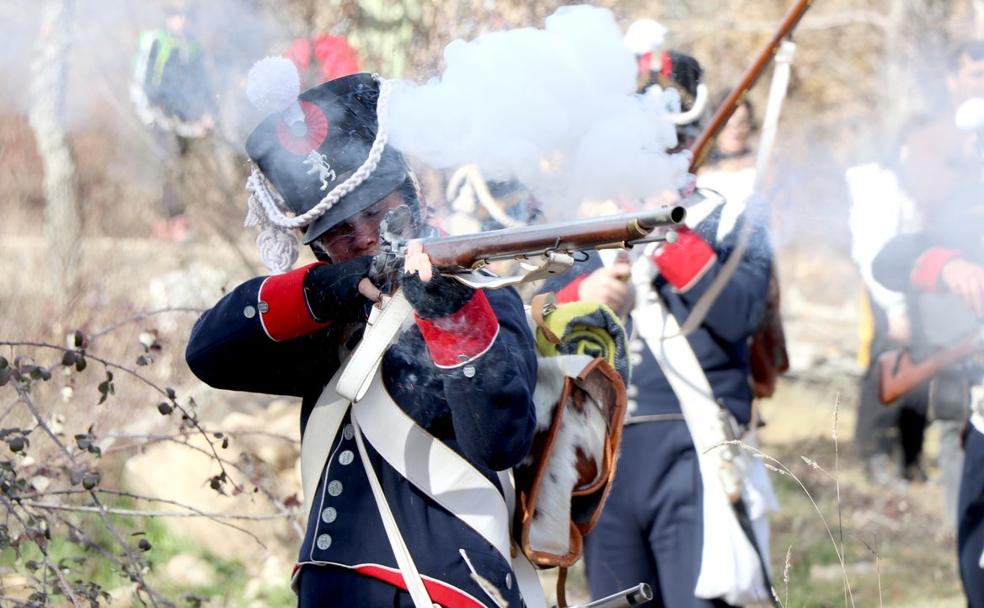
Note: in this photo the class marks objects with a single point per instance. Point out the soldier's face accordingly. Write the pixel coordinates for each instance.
(359, 235)
(733, 138)
(176, 23)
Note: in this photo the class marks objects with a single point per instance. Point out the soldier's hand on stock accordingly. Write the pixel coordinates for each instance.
(431, 294)
(334, 291)
(965, 280)
(608, 286)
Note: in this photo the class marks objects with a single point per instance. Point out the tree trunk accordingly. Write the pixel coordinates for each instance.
(62, 217)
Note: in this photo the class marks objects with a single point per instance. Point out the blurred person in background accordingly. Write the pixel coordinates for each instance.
(730, 167)
(731, 172)
(458, 378)
(478, 205)
(889, 439)
(940, 160)
(171, 93)
(940, 169)
(668, 521)
(941, 270)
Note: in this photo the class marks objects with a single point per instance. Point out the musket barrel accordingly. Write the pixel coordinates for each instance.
(671, 216)
(467, 250)
(702, 144)
(624, 599)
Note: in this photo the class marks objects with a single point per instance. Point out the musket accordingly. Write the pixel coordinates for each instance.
(898, 373)
(702, 145)
(472, 251)
(628, 598)
(543, 249)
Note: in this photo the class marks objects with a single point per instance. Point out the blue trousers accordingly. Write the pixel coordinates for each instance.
(970, 519)
(650, 529)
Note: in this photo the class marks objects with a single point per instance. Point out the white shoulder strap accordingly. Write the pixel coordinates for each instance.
(729, 562)
(433, 467)
(423, 460)
(411, 576)
(384, 325)
(349, 384)
(446, 477)
(671, 349)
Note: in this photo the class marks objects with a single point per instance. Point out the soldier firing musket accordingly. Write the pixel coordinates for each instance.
(941, 270)
(543, 249)
(417, 369)
(693, 306)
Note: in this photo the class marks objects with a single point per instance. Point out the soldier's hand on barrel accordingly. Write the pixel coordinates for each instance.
(965, 280)
(418, 261)
(608, 286)
(431, 294)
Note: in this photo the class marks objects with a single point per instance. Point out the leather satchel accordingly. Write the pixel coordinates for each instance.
(562, 486)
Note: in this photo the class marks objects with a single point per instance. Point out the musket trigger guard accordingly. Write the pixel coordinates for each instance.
(552, 263)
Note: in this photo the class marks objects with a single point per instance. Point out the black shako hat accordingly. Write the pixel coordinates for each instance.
(309, 149)
(683, 72)
(671, 69)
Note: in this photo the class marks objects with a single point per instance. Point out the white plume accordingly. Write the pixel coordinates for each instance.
(273, 84)
(645, 36)
(970, 115)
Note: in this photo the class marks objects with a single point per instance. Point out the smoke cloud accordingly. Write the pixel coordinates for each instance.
(554, 108)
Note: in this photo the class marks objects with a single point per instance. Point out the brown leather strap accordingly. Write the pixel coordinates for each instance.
(540, 306)
(561, 587)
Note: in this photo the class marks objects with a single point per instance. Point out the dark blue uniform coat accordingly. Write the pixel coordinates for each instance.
(482, 409)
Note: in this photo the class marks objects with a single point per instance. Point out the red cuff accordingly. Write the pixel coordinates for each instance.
(926, 273)
(284, 311)
(571, 291)
(461, 337)
(684, 262)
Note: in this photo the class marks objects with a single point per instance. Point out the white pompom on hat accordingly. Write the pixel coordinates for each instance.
(645, 36)
(273, 84)
(970, 115)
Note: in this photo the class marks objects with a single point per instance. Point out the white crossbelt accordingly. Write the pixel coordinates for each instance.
(729, 563)
(381, 331)
(411, 576)
(429, 464)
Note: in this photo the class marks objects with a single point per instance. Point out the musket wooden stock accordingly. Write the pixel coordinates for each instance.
(472, 250)
(702, 144)
(899, 374)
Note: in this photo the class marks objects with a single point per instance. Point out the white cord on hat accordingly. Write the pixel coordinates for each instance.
(279, 248)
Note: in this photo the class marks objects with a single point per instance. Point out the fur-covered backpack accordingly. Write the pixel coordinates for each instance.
(581, 402)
